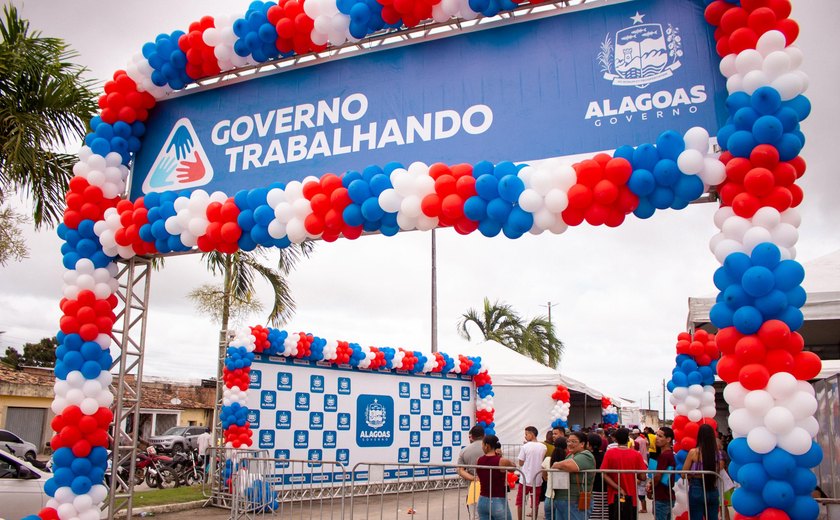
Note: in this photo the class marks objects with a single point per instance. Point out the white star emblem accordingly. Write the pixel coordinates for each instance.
(638, 18)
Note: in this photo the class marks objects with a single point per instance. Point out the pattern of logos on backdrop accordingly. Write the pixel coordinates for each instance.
(310, 412)
(653, 68)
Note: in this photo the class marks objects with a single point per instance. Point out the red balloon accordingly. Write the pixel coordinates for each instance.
(728, 368)
(745, 205)
(779, 361)
(773, 514)
(313, 224)
(742, 39)
(774, 334)
(727, 338)
(759, 182)
(784, 174)
(445, 185)
(790, 29)
(589, 172)
(779, 198)
(762, 20)
(715, 10)
(807, 366)
(754, 377)
(580, 197)
(452, 207)
(750, 349)
(465, 186)
(431, 205)
(618, 171)
(605, 192)
(733, 19)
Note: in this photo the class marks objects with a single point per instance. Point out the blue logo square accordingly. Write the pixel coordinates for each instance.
(456, 407)
(447, 454)
(425, 422)
(281, 454)
(425, 454)
(344, 385)
(301, 439)
(414, 440)
(447, 392)
(405, 389)
(268, 400)
(266, 439)
(316, 420)
(254, 419)
(344, 421)
(283, 420)
(256, 379)
(456, 438)
(316, 384)
(402, 456)
(329, 438)
(405, 423)
(447, 422)
(437, 439)
(284, 381)
(314, 455)
(465, 393)
(437, 407)
(342, 456)
(330, 403)
(414, 406)
(302, 402)
(465, 423)
(375, 424)
(425, 391)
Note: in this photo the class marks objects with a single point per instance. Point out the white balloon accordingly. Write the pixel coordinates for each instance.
(779, 420)
(695, 390)
(695, 415)
(754, 236)
(735, 228)
(530, 201)
(90, 514)
(556, 200)
(66, 511)
(796, 442)
(742, 421)
(748, 60)
(734, 394)
(722, 215)
(714, 171)
(776, 63)
(771, 41)
(726, 248)
(727, 66)
(782, 385)
(690, 162)
(761, 441)
(64, 495)
(680, 393)
(801, 404)
(753, 80)
(805, 386)
(82, 502)
(810, 425)
(759, 402)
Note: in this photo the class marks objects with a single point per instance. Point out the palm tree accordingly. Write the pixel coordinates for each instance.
(236, 297)
(501, 323)
(498, 322)
(45, 105)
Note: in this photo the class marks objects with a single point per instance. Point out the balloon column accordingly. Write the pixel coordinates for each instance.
(609, 413)
(261, 340)
(771, 403)
(756, 178)
(692, 390)
(560, 412)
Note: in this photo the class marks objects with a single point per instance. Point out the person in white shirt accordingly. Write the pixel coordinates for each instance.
(203, 442)
(531, 456)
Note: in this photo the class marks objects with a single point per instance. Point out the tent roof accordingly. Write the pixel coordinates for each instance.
(821, 330)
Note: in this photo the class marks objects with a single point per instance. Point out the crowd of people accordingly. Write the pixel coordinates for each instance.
(594, 473)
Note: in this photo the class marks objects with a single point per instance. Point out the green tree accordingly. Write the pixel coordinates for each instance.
(45, 105)
(236, 297)
(40, 354)
(501, 323)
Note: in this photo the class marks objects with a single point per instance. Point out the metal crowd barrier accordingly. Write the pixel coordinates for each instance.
(260, 486)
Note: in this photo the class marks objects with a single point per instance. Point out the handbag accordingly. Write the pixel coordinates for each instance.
(584, 497)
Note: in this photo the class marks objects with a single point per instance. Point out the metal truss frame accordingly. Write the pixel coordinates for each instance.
(129, 334)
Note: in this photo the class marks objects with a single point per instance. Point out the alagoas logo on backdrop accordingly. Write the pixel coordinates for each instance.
(283, 420)
(316, 384)
(284, 381)
(255, 379)
(640, 55)
(375, 427)
(330, 403)
(456, 408)
(329, 439)
(266, 439)
(302, 401)
(182, 162)
(254, 418)
(344, 385)
(268, 400)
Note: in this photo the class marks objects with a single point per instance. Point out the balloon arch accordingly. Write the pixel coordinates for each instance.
(771, 403)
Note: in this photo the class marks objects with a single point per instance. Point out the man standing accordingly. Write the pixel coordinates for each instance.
(203, 442)
(558, 432)
(621, 494)
(469, 457)
(640, 444)
(663, 494)
(531, 456)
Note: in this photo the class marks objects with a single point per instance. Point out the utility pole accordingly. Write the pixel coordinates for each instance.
(664, 410)
(550, 305)
(434, 294)
(649, 408)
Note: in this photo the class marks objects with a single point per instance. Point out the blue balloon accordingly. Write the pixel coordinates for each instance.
(766, 255)
(766, 100)
(689, 187)
(63, 476)
(741, 143)
(737, 100)
(796, 297)
(666, 172)
(510, 187)
(767, 130)
(81, 485)
(50, 486)
(788, 118)
(645, 157)
(520, 220)
(752, 477)
(792, 317)
(475, 208)
(748, 503)
(353, 214)
(779, 464)
(662, 197)
(498, 210)
(81, 466)
(721, 315)
(778, 494)
(803, 508)
(736, 264)
(489, 227)
(788, 274)
(642, 182)
(745, 118)
(747, 320)
(772, 305)
(371, 209)
(63, 457)
(487, 186)
(803, 481)
(801, 105)
(670, 145)
(758, 281)
(358, 191)
(724, 134)
(722, 280)
(645, 209)
(735, 297)
(624, 152)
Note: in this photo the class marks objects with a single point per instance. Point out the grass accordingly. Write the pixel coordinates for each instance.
(156, 497)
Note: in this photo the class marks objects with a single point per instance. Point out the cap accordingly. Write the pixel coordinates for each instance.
(635, 430)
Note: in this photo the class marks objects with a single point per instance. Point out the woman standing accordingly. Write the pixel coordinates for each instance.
(580, 484)
(599, 489)
(557, 484)
(703, 495)
(492, 501)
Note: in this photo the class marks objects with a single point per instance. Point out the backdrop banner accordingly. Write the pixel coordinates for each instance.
(577, 82)
(306, 410)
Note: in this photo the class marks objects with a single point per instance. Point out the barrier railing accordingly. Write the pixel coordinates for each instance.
(257, 485)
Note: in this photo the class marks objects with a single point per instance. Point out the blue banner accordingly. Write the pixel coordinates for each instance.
(577, 82)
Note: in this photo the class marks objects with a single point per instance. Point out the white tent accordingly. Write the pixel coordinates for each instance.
(523, 389)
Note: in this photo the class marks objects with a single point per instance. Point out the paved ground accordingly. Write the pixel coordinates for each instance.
(426, 506)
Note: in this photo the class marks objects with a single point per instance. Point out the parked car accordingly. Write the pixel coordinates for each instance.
(21, 487)
(177, 439)
(11, 443)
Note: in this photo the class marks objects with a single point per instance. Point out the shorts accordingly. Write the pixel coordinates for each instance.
(522, 489)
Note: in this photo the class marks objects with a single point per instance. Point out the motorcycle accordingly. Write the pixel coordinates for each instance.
(44, 466)
(159, 472)
(186, 468)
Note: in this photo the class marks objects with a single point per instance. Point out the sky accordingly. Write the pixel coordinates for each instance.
(619, 296)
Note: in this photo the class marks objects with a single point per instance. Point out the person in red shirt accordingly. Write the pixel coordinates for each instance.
(621, 495)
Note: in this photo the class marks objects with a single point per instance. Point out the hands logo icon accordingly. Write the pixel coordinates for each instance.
(181, 163)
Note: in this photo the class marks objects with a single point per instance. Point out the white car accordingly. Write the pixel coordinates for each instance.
(21, 487)
(11, 443)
